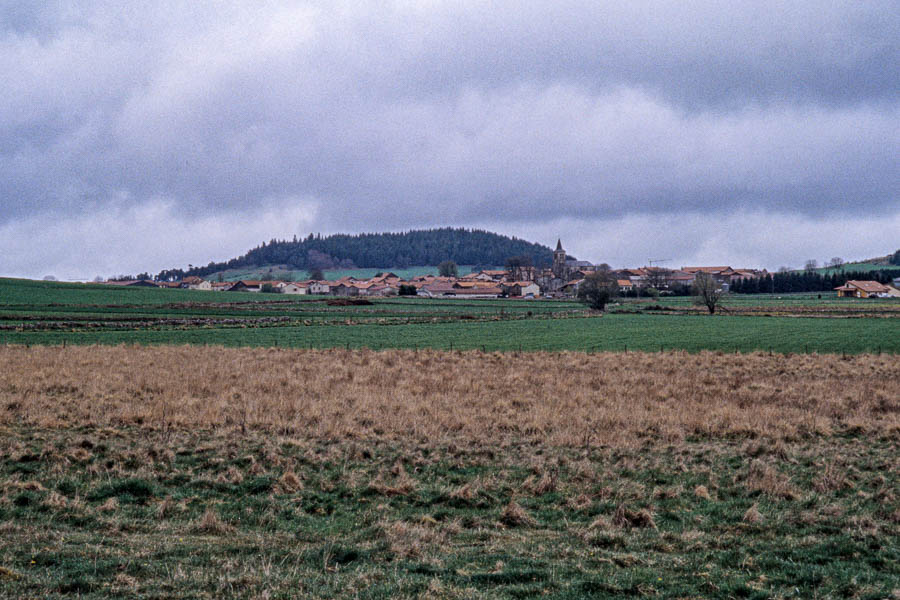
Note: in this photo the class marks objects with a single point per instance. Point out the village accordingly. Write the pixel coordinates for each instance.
(561, 280)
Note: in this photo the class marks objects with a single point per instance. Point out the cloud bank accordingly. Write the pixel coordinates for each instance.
(772, 122)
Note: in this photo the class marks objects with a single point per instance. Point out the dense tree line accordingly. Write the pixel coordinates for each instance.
(380, 250)
(808, 281)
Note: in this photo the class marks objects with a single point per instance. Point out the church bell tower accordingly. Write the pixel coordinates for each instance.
(559, 260)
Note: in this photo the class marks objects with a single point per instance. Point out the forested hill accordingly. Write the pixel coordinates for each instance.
(383, 250)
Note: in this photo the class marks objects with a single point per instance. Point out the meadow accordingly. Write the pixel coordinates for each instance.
(83, 314)
(192, 472)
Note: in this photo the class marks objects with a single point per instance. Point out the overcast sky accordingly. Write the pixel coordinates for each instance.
(746, 133)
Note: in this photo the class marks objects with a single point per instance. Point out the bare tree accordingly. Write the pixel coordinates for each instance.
(658, 277)
(519, 267)
(837, 261)
(598, 289)
(707, 292)
(811, 265)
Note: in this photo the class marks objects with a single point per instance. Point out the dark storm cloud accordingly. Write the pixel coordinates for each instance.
(422, 114)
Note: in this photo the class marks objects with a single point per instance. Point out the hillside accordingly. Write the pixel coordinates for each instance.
(381, 250)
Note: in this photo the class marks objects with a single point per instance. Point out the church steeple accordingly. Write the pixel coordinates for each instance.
(559, 260)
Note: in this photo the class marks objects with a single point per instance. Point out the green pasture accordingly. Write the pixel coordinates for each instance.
(38, 312)
(856, 266)
(610, 332)
(817, 299)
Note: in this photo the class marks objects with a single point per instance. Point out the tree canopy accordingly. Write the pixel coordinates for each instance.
(377, 250)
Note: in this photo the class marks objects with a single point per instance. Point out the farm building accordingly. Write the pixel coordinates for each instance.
(521, 289)
(344, 288)
(293, 287)
(195, 283)
(245, 285)
(862, 289)
(319, 287)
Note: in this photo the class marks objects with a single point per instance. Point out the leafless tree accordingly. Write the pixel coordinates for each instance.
(707, 292)
(598, 289)
(658, 277)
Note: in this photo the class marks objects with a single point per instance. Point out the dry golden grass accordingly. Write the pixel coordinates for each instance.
(567, 398)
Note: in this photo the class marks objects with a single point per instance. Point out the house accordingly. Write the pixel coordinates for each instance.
(246, 285)
(625, 285)
(520, 289)
(343, 288)
(570, 288)
(221, 286)
(293, 287)
(493, 275)
(446, 289)
(680, 278)
(195, 283)
(862, 289)
(437, 289)
(383, 289)
(318, 287)
(478, 292)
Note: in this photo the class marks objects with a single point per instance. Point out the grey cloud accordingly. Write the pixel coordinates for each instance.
(406, 115)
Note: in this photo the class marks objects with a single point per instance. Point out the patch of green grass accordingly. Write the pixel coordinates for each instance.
(615, 332)
(613, 522)
(855, 266)
(37, 312)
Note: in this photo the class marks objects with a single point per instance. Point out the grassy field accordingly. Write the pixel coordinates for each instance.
(612, 332)
(185, 472)
(33, 312)
(853, 266)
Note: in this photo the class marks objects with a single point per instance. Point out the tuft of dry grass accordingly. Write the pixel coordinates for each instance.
(410, 540)
(289, 482)
(702, 492)
(210, 523)
(514, 515)
(539, 487)
(111, 505)
(624, 517)
(765, 478)
(564, 399)
(753, 515)
(397, 483)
